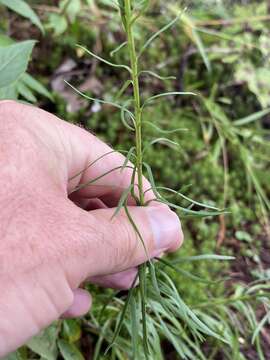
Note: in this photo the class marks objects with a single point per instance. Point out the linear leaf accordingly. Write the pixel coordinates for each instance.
(152, 73)
(251, 118)
(187, 198)
(163, 141)
(260, 327)
(122, 200)
(186, 273)
(162, 131)
(118, 106)
(92, 181)
(112, 53)
(155, 35)
(122, 317)
(104, 60)
(204, 257)
(172, 93)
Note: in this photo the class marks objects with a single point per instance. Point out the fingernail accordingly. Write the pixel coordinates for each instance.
(166, 228)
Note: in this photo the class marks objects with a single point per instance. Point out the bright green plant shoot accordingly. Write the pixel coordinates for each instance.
(154, 308)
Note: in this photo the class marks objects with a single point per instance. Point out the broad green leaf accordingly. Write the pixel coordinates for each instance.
(13, 61)
(44, 344)
(58, 23)
(69, 351)
(9, 92)
(71, 8)
(21, 354)
(71, 330)
(23, 9)
(5, 40)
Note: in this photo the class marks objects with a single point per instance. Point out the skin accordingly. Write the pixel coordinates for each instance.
(54, 239)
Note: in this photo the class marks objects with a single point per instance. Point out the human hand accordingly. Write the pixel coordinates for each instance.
(51, 240)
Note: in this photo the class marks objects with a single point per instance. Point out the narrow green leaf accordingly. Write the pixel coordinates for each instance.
(172, 93)
(123, 89)
(260, 326)
(162, 131)
(128, 157)
(251, 118)
(143, 293)
(104, 60)
(155, 35)
(118, 106)
(92, 181)
(201, 48)
(136, 230)
(187, 211)
(151, 179)
(122, 317)
(152, 73)
(186, 273)
(204, 257)
(163, 141)
(187, 198)
(134, 327)
(112, 53)
(92, 163)
(122, 200)
(125, 121)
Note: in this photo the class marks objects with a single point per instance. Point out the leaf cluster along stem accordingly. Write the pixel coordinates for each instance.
(137, 98)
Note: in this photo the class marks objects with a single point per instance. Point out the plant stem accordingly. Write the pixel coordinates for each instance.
(139, 155)
(137, 98)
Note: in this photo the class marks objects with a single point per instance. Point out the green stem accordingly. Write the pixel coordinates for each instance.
(137, 97)
(139, 154)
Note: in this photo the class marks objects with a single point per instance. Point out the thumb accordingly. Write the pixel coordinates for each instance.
(107, 244)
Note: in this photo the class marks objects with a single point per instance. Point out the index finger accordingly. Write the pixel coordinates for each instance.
(97, 171)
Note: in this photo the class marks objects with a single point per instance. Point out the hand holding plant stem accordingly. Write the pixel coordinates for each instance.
(156, 298)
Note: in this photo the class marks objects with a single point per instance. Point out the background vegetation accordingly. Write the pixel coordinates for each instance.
(219, 50)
